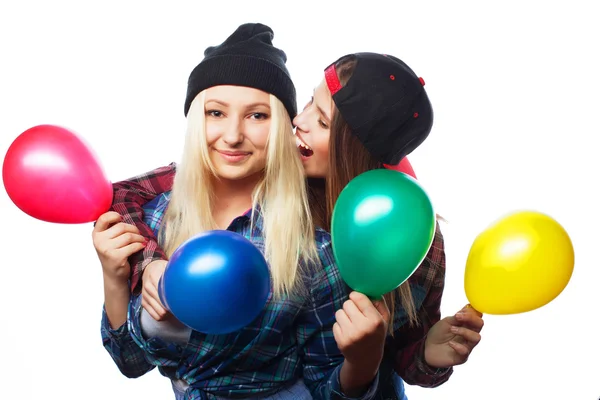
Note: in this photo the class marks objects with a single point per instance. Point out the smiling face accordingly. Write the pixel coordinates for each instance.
(238, 121)
(313, 130)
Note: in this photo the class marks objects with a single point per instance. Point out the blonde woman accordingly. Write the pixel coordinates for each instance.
(240, 172)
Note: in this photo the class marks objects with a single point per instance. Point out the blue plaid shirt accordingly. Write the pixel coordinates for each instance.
(291, 339)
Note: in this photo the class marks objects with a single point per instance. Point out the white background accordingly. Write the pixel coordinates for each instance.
(515, 92)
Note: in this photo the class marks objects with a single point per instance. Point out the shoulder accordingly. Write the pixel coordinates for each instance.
(159, 203)
(325, 250)
(322, 238)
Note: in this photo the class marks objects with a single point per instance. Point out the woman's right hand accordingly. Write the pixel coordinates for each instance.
(115, 241)
(150, 298)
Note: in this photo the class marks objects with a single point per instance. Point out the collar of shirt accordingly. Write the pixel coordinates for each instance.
(155, 210)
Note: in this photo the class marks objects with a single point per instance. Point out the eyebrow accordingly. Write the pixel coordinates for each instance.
(253, 105)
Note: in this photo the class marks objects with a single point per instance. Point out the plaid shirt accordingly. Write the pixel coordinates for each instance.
(291, 338)
(408, 344)
(404, 352)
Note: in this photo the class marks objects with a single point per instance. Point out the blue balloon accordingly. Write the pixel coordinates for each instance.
(216, 282)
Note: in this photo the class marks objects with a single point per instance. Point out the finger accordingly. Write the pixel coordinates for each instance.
(352, 311)
(343, 321)
(367, 307)
(363, 303)
(119, 229)
(337, 333)
(470, 319)
(161, 312)
(127, 239)
(470, 336)
(129, 250)
(150, 310)
(469, 307)
(106, 220)
(152, 300)
(461, 349)
(382, 308)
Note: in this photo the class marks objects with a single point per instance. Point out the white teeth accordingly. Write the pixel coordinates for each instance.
(300, 143)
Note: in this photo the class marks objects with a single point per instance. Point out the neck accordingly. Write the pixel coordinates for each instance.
(317, 200)
(232, 198)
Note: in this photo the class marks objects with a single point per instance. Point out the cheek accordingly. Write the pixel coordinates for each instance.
(321, 149)
(212, 133)
(258, 135)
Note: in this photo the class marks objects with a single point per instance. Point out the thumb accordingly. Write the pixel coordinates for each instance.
(383, 309)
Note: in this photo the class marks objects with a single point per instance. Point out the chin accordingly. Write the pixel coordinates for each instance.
(235, 173)
(232, 176)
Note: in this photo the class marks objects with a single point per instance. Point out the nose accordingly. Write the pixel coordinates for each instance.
(233, 134)
(300, 122)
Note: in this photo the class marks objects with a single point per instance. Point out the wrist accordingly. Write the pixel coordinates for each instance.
(356, 378)
(430, 361)
(115, 284)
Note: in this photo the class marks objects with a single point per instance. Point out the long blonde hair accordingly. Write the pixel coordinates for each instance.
(280, 195)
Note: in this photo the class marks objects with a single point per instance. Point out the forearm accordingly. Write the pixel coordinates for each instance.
(408, 345)
(128, 356)
(116, 302)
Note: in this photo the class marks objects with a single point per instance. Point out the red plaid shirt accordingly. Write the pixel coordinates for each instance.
(128, 198)
(407, 346)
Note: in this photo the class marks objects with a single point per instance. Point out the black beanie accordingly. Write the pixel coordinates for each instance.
(247, 58)
(385, 105)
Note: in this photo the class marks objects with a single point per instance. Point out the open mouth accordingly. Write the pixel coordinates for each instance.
(304, 149)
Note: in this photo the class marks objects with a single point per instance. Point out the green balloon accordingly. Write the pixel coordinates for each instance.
(382, 227)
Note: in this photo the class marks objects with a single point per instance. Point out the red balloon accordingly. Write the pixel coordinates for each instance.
(403, 166)
(52, 175)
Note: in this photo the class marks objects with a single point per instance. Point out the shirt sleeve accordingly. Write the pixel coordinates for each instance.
(129, 196)
(322, 360)
(128, 355)
(409, 341)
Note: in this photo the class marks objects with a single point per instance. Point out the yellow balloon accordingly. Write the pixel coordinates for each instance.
(520, 263)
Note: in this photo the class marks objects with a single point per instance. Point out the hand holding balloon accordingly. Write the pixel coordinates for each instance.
(452, 339)
(151, 300)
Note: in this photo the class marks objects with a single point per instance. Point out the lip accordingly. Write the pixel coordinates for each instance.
(233, 156)
(301, 139)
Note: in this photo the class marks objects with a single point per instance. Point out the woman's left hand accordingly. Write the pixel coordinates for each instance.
(360, 330)
(451, 340)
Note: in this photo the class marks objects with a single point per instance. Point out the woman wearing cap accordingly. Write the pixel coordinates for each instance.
(370, 109)
(239, 168)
